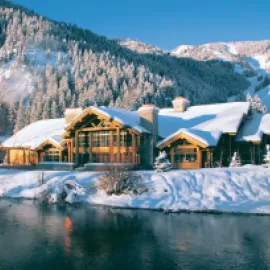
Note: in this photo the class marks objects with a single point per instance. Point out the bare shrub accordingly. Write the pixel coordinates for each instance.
(120, 179)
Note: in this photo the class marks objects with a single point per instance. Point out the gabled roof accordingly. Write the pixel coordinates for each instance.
(36, 133)
(205, 122)
(254, 128)
(203, 138)
(121, 116)
(54, 140)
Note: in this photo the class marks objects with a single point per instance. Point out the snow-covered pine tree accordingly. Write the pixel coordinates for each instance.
(249, 98)
(236, 160)
(162, 164)
(267, 156)
(256, 103)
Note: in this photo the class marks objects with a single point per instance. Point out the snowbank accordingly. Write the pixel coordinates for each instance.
(244, 190)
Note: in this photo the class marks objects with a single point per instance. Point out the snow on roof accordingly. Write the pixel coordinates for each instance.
(3, 138)
(36, 133)
(125, 117)
(205, 137)
(254, 128)
(204, 120)
(224, 117)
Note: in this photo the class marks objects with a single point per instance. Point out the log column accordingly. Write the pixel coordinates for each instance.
(90, 146)
(172, 157)
(134, 150)
(77, 147)
(118, 145)
(111, 147)
(60, 155)
(8, 156)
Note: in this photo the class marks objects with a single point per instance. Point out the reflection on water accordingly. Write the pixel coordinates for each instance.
(85, 237)
(68, 230)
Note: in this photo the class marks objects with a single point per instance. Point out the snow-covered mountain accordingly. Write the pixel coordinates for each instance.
(46, 66)
(250, 58)
(140, 47)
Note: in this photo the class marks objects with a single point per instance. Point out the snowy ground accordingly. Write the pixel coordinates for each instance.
(244, 190)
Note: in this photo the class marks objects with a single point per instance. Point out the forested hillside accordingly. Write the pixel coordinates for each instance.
(46, 66)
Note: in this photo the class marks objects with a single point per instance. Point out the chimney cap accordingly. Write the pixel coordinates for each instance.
(180, 97)
(76, 110)
(148, 106)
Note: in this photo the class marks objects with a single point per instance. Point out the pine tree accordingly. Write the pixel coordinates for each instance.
(236, 160)
(162, 164)
(267, 156)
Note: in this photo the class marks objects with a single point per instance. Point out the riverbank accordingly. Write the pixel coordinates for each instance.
(245, 190)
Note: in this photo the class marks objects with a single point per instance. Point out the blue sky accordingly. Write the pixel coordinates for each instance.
(164, 23)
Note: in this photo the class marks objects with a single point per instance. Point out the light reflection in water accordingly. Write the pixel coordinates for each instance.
(68, 231)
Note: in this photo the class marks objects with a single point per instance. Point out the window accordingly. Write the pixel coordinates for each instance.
(52, 156)
(101, 139)
(125, 139)
(83, 139)
(100, 158)
(185, 155)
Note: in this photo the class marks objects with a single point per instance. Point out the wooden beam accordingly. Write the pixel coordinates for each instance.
(118, 145)
(90, 146)
(111, 157)
(77, 147)
(60, 155)
(199, 157)
(134, 150)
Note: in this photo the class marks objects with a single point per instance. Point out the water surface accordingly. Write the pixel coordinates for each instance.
(87, 237)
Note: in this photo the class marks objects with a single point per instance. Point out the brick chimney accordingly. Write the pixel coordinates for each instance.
(180, 104)
(71, 113)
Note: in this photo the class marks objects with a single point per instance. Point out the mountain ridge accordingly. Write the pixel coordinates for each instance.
(52, 65)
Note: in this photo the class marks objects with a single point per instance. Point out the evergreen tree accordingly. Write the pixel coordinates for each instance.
(162, 164)
(236, 160)
(267, 156)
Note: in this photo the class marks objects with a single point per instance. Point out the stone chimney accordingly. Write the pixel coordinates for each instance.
(149, 120)
(71, 113)
(180, 104)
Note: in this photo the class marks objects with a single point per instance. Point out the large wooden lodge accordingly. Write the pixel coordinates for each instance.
(193, 137)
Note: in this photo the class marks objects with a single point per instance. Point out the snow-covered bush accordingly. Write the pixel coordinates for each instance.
(236, 160)
(68, 192)
(120, 180)
(267, 156)
(162, 164)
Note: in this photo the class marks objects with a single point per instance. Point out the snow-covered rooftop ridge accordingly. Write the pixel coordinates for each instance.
(254, 128)
(36, 133)
(223, 117)
(123, 116)
(205, 137)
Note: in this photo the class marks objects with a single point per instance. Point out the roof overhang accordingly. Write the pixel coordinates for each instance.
(100, 115)
(49, 141)
(180, 135)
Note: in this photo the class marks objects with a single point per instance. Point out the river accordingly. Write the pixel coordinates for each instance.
(88, 237)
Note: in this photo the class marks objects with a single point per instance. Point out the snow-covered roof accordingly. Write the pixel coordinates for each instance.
(207, 138)
(254, 128)
(36, 133)
(206, 122)
(3, 138)
(125, 117)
